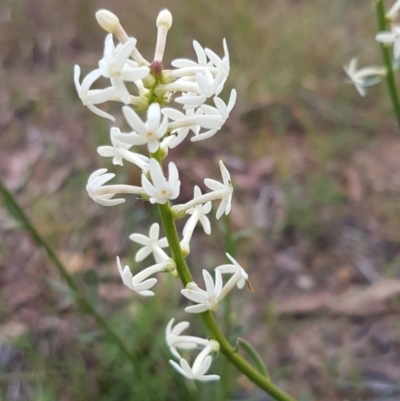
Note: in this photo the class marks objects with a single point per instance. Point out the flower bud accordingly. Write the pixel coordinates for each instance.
(107, 20)
(178, 212)
(164, 19)
(169, 265)
(185, 249)
(214, 345)
(149, 81)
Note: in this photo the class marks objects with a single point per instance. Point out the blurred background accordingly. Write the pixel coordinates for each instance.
(315, 217)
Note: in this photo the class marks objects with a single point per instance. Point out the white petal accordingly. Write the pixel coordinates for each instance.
(145, 285)
(153, 117)
(121, 90)
(134, 120)
(195, 296)
(135, 74)
(385, 37)
(99, 112)
(208, 282)
(124, 52)
(199, 308)
(213, 184)
(89, 79)
(156, 173)
(142, 253)
(204, 366)
(139, 238)
(178, 368)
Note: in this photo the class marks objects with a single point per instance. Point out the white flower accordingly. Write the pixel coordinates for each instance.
(138, 283)
(104, 194)
(220, 109)
(393, 37)
(151, 244)
(240, 277)
(116, 66)
(200, 365)
(120, 151)
(145, 133)
(181, 133)
(90, 97)
(363, 77)
(210, 85)
(225, 205)
(209, 76)
(175, 340)
(161, 190)
(208, 299)
(198, 213)
(219, 191)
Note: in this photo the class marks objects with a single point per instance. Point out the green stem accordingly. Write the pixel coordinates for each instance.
(83, 302)
(208, 319)
(387, 59)
(230, 247)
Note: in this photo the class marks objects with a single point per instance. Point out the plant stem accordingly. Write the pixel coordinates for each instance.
(208, 319)
(83, 302)
(387, 59)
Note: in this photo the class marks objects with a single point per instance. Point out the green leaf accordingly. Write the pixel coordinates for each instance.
(253, 355)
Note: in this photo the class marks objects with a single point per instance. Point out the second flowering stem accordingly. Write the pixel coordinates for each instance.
(387, 59)
(208, 319)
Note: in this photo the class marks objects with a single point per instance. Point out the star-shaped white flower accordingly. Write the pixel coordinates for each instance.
(240, 277)
(200, 365)
(120, 151)
(95, 182)
(225, 205)
(149, 132)
(161, 190)
(140, 283)
(363, 77)
(151, 244)
(206, 299)
(103, 194)
(210, 85)
(116, 66)
(175, 340)
(393, 37)
(219, 191)
(90, 97)
(220, 109)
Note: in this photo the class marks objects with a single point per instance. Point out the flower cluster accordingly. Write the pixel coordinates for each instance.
(368, 76)
(190, 84)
